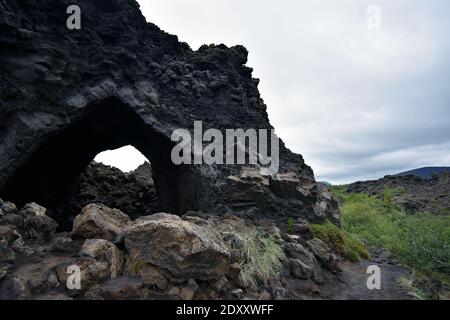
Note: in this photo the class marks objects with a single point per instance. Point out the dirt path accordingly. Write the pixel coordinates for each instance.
(352, 284)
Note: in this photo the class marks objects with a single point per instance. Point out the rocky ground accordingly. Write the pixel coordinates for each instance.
(411, 192)
(67, 96)
(164, 256)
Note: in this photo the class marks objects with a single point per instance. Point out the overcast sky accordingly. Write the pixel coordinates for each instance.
(357, 102)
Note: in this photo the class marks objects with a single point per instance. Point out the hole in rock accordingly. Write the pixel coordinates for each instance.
(126, 159)
(61, 175)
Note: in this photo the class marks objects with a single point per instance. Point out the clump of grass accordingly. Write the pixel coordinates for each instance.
(290, 225)
(263, 258)
(408, 285)
(388, 197)
(350, 248)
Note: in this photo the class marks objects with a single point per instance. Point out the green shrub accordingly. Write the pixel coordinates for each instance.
(341, 241)
(423, 241)
(365, 218)
(339, 193)
(263, 258)
(420, 240)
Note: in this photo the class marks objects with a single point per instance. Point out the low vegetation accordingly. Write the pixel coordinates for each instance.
(290, 225)
(262, 258)
(349, 247)
(420, 240)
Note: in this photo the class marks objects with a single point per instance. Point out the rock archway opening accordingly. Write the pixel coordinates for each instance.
(126, 159)
(61, 175)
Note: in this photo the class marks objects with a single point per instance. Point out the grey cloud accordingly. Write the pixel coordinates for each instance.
(355, 103)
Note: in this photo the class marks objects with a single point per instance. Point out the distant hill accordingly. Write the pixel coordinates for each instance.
(412, 190)
(425, 172)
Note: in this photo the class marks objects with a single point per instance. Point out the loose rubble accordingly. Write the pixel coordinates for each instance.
(160, 256)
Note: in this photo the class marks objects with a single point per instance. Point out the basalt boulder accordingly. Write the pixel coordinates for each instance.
(179, 248)
(97, 221)
(36, 224)
(104, 251)
(31, 222)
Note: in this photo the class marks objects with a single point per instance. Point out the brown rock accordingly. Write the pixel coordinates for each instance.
(36, 224)
(178, 247)
(151, 275)
(14, 289)
(121, 288)
(7, 238)
(97, 221)
(265, 295)
(104, 251)
(324, 254)
(188, 292)
(234, 271)
(33, 209)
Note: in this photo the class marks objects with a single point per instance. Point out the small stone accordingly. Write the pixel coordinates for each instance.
(8, 208)
(323, 253)
(234, 271)
(33, 209)
(92, 271)
(36, 225)
(14, 289)
(174, 292)
(52, 280)
(8, 237)
(151, 275)
(301, 270)
(220, 285)
(265, 295)
(104, 251)
(4, 268)
(236, 255)
(61, 243)
(304, 230)
(279, 293)
(121, 288)
(188, 292)
(237, 294)
(12, 220)
(276, 232)
(292, 238)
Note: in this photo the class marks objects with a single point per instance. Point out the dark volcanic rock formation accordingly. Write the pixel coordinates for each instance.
(411, 192)
(133, 192)
(66, 95)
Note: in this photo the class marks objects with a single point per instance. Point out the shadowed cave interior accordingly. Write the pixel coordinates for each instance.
(51, 174)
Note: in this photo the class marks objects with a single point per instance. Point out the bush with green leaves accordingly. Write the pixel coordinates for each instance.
(341, 241)
(420, 240)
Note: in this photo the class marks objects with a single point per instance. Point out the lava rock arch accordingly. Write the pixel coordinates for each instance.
(50, 173)
(66, 95)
